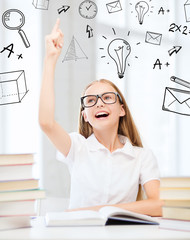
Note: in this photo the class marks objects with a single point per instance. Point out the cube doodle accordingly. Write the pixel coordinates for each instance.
(12, 87)
(41, 4)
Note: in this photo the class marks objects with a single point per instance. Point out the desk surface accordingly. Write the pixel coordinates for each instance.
(132, 232)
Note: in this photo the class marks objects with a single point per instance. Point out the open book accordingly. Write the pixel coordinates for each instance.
(105, 216)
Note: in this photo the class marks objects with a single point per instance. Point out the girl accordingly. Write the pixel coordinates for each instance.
(106, 158)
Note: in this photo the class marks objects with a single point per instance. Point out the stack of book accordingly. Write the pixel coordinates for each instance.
(19, 191)
(175, 191)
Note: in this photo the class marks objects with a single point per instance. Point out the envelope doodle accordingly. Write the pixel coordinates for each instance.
(176, 101)
(153, 38)
(113, 7)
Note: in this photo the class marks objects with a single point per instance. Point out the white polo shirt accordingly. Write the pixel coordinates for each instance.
(100, 177)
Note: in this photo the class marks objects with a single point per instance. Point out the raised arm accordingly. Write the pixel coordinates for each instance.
(59, 137)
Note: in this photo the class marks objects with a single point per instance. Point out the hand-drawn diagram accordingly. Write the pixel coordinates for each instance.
(175, 49)
(187, 10)
(88, 9)
(14, 19)
(161, 10)
(119, 50)
(64, 8)
(177, 100)
(89, 30)
(113, 7)
(142, 8)
(74, 51)
(153, 38)
(41, 4)
(179, 28)
(9, 48)
(12, 87)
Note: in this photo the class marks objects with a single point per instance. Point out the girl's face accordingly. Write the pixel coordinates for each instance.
(102, 116)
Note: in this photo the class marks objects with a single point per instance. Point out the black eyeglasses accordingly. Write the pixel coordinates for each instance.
(107, 98)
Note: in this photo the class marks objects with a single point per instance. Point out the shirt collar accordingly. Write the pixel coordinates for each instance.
(95, 145)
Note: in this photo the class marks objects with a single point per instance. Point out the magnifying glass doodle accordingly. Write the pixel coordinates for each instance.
(14, 19)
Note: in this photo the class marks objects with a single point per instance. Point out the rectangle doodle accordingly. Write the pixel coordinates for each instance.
(114, 7)
(177, 101)
(153, 38)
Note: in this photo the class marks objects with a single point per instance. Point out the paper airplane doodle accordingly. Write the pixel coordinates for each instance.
(175, 49)
(187, 10)
(41, 4)
(63, 9)
(89, 30)
(74, 51)
(113, 7)
(177, 100)
(12, 87)
(14, 19)
(153, 38)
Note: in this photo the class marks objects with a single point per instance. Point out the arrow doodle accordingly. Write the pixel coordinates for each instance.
(89, 30)
(175, 49)
(63, 9)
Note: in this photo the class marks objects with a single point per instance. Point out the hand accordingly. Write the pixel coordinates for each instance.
(54, 42)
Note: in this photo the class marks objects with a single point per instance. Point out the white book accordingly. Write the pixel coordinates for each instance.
(18, 208)
(105, 216)
(174, 224)
(15, 172)
(7, 223)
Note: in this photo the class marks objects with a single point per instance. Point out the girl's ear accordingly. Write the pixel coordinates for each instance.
(84, 116)
(122, 112)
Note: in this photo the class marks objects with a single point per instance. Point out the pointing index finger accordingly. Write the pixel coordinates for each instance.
(56, 26)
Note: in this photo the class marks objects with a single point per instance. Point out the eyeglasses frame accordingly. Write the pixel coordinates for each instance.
(100, 96)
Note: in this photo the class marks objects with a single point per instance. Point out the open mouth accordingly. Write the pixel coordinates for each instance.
(102, 115)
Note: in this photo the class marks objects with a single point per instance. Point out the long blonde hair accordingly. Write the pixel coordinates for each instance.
(126, 126)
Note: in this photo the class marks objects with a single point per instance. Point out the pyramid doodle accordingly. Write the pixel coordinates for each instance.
(74, 51)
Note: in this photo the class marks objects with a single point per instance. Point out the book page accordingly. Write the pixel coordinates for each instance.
(81, 218)
(83, 214)
(118, 212)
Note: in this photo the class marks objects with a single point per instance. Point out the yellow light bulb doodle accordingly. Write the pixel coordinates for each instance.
(119, 50)
(142, 8)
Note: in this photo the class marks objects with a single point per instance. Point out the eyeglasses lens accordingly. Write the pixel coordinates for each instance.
(107, 98)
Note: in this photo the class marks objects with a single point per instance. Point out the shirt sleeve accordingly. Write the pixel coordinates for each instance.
(76, 143)
(149, 167)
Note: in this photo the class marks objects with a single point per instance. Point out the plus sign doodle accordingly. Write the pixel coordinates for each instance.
(10, 48)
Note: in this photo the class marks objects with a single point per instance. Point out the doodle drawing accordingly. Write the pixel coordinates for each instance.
(12, 87)
(141, 8)
(41, 4)
(14, 19)
(177, 100)
(187, 10)
(74, 51)
(153, 38)
(88, 9)
(173, 50)
(64, 8)
(119, 50)
(89, 30)
(113, 7)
